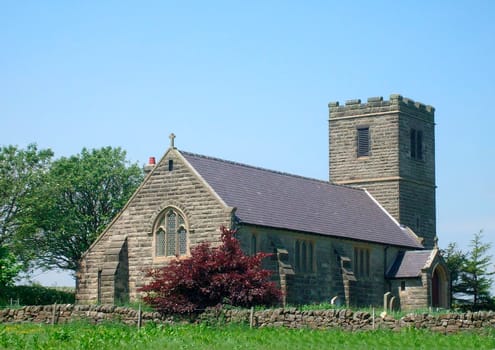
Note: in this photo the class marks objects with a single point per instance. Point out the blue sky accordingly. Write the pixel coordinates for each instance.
(250, 81)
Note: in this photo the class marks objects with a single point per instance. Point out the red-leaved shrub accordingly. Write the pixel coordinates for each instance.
(210, 277)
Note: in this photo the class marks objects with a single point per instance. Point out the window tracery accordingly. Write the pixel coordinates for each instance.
(170, 234)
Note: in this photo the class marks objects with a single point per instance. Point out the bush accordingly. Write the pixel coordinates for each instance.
(486, 304)
(211, 277)
(36, 295)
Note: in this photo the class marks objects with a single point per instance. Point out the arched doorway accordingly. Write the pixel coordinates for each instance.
(439, 287)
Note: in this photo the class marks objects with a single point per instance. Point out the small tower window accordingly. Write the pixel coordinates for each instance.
(417, 228)
(363, 141)
(416, 144)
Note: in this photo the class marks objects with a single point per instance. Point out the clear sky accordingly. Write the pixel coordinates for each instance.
(250, 81)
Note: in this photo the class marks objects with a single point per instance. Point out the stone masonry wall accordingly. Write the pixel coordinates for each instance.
(413, 297)
(179, 187)
(325, 281)
(290, 318)
(420, 216)
(417, 189)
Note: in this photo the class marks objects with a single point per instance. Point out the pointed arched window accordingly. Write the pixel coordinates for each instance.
(170, 234)
(304, 256)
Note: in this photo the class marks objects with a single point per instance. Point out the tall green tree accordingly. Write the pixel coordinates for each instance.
(81, 195)
(455, 259)
(22, 171)
(475, 279)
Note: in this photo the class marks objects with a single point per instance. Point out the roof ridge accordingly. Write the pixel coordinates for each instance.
(269, 170)
(270, 198)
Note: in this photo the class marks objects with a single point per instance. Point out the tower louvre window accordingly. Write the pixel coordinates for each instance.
(416, 144)
(419, 145)
(363, 141)
(413, 143)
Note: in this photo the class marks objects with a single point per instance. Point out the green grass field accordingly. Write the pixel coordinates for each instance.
(116, 336)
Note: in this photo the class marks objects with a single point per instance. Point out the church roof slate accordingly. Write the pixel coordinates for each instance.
(284, 201)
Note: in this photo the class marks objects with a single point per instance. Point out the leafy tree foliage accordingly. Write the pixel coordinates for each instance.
(21, 173)
(79, 198)
(9, 268)
(211, 277)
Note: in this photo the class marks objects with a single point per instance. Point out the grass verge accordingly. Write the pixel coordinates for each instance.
(117, 336)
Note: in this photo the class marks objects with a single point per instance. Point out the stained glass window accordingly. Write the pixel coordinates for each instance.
(182, 241)
(361, 262)
(254, 245)
(310, 256)
(160, 242)
(304, 256)
(171, 222)
(298, 255)
(171, 235)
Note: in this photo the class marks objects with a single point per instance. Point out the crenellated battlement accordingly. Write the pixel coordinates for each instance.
(377, 104)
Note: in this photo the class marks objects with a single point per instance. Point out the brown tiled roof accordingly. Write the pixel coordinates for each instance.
(273, 199)
(409, 264)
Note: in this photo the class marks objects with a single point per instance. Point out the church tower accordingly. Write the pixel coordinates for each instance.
(388, 148)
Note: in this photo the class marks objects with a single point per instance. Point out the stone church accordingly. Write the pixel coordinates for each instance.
(367, 233)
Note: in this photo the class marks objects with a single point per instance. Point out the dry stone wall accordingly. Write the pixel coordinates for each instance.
(290, 318)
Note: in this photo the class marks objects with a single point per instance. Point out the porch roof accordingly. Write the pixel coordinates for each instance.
(410, 263)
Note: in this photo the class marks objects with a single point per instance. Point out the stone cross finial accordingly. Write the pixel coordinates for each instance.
(172, 139)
